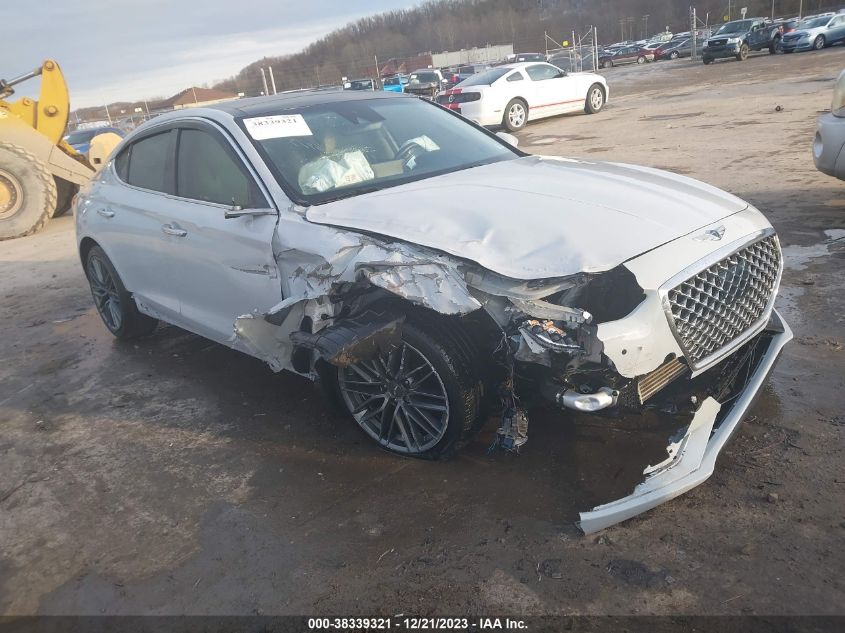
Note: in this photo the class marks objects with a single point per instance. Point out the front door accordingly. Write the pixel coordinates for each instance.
(223, 267)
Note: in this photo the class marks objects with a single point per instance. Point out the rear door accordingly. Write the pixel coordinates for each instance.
(127, 215)
(223, 266)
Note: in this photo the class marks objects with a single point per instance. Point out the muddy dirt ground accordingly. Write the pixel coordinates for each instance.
(172, 475)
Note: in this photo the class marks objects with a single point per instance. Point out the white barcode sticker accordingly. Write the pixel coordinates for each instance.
(277, 126)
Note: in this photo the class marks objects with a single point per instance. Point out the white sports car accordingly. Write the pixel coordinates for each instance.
(514, 94)
(429, 274)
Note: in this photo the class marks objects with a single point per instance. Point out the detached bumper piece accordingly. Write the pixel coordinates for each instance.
(692, 458)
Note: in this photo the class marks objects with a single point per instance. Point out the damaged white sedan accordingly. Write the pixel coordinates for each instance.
(422, 268)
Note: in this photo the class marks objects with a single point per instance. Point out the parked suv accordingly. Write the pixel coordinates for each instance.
(737, 38)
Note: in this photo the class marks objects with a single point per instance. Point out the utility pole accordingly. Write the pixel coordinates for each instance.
(108, 116)
(729, 10)
(622, 28)
(264, 80)
(645, 26)
(800, 8)
(194, 92)
(272, 79)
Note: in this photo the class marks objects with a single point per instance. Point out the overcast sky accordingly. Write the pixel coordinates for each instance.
(132, 49)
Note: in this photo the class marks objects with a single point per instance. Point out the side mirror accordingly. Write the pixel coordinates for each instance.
(510, 139)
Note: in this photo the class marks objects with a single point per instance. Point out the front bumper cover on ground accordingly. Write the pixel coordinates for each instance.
(692, 459)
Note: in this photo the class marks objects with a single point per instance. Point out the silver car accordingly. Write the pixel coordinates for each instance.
(425, 271)
(829, 144)
(815, 33)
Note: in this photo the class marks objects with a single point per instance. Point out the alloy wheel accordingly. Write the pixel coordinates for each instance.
(104, 290)
(596, 99)
(516, 115)
(398, 398)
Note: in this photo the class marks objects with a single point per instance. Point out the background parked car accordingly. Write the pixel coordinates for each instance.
(395, 83)
(360, 84)
(816, 33)
(676, 49)
(81, 139)
(426, 82)
(525, 57)
(829, 143)
(512, 95)
(626, 55)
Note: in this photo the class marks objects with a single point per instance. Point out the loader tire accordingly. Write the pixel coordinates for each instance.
(28, 193)
(65, 191)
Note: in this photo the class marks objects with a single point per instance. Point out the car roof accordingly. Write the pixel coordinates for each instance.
(255, 106)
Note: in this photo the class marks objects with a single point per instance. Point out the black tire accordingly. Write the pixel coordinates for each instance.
(742, 55)
(512, 123)
(819, 43)
(387, 420)
(786, 52)
(595, 99)
(27, 192)
(113, 301)
(65, 191)
(674, 55)
(707, 60)
(775, 48)
(641, 60)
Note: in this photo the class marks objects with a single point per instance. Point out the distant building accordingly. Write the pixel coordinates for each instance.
(194, 97)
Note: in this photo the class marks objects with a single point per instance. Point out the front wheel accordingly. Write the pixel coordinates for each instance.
(707, 60)
(421, 399)
(516, 115)
(742, 55)
(113, 301)
(776, 47)
(673, 55)
(595, 99)
(819, 43)
(641, 60)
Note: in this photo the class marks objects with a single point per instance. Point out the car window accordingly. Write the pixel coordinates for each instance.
(206, 170)
(517, 76)
(487, 78)
(346, 148)
(150, 161)
(121, 164)
(541, 72)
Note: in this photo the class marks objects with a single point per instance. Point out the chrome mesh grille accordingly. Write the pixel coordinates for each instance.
(715, 306)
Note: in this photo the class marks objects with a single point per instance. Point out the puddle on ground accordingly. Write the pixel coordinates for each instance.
(797, 257)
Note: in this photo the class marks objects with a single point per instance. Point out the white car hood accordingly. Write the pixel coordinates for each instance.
(538, 217)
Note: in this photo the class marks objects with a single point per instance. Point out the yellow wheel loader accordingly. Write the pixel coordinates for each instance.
(39, 172)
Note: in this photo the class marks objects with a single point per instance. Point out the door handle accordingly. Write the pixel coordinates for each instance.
(106, 213)
(169, 229)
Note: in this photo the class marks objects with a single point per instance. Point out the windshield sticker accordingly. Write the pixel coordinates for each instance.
(278, 126)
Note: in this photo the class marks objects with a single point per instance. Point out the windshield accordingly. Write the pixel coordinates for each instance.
(361, 84)
(336, 150)
(741, 26)
(423, 78)
(392, 81)
(486, 78)
(814, 24)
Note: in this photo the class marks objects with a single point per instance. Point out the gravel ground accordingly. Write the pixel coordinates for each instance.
(172, 475)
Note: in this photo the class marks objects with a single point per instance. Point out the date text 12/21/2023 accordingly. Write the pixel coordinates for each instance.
(416, 624)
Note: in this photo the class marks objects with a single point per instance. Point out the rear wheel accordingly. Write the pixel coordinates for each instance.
(516, 115)
(595, 99)
(421, 399)
(819, 43)
(742, 55)
(776, 47)
(673, 55)
(707, 60)
(641, 60)
(113, 301)
(27, 192)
